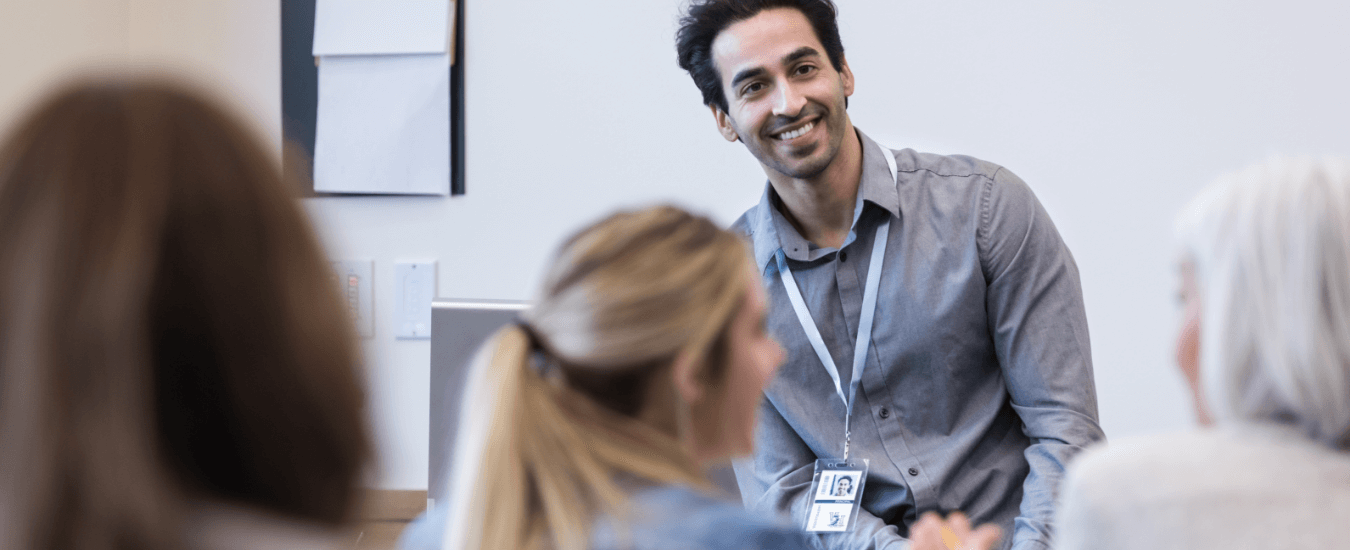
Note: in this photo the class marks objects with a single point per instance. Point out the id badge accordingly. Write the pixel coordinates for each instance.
(836, 495)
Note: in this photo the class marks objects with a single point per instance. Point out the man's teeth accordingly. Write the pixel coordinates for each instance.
(797, 132)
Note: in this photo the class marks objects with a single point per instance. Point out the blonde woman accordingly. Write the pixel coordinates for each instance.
(1265, 349)
(590, 423)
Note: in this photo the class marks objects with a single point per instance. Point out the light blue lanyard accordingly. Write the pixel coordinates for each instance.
(869, 309)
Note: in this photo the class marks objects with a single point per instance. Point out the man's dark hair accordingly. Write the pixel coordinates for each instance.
(708, 18)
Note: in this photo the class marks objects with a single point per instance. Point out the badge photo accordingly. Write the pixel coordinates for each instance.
(838, 485)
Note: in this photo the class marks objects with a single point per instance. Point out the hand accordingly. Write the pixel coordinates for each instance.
(954, 533)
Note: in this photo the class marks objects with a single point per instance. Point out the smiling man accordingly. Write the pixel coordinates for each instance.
(971, 385)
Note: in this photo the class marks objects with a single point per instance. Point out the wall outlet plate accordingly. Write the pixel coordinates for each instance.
(353, 277)
(414, 289)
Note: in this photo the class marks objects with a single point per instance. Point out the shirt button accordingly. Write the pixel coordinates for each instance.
(914, 471)
(843, 256)
(884, 413)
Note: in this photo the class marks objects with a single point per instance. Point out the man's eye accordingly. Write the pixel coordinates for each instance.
(806, 69)
(752, 88)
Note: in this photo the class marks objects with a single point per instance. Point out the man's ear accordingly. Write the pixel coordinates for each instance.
(846, 76)
(687, 374)
(724, 123)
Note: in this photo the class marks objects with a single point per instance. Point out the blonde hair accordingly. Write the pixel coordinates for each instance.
(624, 298)
(1270, 249)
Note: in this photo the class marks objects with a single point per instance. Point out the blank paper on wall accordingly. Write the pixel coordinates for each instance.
(383, 124)
(366, 27)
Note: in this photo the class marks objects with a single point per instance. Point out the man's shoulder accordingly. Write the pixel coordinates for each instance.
(958, 181)
(944, 166)
(963, 182)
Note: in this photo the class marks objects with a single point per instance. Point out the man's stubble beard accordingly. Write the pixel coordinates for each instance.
(802, 172)
(833, 142)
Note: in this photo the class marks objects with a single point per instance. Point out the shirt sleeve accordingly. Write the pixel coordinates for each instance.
(776, 481)
(1036, 316)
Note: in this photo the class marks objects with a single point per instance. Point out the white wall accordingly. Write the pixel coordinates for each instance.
(231, 47)
(1115, 114)
(42, 41)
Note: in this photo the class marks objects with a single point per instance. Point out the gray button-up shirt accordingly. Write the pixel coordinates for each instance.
(978, 383)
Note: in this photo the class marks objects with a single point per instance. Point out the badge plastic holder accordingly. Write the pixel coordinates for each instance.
(836, 495)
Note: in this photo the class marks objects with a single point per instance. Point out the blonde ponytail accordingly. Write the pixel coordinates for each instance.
(548, 463)
(625, 297)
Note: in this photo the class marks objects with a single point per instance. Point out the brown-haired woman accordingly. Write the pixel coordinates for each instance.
(176, 368)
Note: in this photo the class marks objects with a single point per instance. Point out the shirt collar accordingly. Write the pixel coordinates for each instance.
(770, 231)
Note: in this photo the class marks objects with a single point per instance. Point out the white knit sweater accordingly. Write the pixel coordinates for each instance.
(1236, 487)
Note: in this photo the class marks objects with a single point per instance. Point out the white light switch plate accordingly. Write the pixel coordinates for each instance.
(414, 288)
(354, 278)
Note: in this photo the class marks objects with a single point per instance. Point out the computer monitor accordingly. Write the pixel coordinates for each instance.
(458, 329)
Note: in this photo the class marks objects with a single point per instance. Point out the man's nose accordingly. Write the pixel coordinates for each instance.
(788, 101)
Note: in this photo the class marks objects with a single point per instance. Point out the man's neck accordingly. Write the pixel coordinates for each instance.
(821, 208)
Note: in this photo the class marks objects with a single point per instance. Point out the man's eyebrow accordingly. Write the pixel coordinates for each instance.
(746, 74)
(799, 53)
(804, 51)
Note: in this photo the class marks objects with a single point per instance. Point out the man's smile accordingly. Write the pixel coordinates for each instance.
(795, 133)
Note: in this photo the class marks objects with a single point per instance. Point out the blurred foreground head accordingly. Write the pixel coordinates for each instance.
(1266, 269)
(169, 333)
(642, 359)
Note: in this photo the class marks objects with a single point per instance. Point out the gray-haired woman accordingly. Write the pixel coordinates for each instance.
(1265, 348)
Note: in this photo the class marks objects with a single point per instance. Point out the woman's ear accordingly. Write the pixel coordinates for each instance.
(687, 372)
